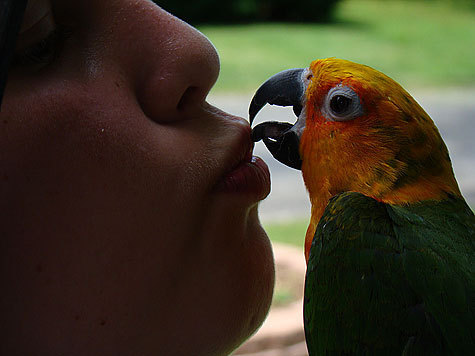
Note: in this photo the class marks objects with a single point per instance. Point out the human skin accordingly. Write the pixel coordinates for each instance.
(128, 204)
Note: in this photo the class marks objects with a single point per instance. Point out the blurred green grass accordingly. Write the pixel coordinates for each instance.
(418, 43)
(287, 232)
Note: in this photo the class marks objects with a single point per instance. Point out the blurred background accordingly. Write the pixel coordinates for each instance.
(428, 46)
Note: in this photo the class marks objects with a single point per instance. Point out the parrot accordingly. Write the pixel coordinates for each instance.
(390, 246)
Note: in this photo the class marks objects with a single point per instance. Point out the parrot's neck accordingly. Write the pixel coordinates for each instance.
(322, 187)
(318, 206)
(421, 190)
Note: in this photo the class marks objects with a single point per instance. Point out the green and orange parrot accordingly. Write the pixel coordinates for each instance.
(390, 246)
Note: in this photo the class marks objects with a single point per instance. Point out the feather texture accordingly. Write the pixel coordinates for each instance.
(393, 280)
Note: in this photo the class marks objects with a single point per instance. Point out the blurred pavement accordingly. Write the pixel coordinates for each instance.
(453, 111)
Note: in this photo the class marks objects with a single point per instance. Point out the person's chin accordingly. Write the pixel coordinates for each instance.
(235, 233)
(262, 266)
(258, 272)
(234, 295)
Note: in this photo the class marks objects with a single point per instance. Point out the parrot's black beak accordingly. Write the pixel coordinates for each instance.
(280, 141)
(285, 89)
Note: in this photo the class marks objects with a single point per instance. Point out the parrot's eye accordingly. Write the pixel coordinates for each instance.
(342, 104)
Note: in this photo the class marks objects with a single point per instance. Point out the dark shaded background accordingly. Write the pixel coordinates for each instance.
(239, 11)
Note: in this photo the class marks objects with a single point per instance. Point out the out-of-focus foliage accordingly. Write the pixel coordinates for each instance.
(219, 11)
(419, 43)
(287, 232)
(469, 3)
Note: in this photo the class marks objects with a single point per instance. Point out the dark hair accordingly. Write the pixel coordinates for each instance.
(11, 16)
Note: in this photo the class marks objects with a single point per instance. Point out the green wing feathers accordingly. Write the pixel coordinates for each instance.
(391, 280)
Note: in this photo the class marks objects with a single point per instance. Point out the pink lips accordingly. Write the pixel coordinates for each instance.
(250, 177)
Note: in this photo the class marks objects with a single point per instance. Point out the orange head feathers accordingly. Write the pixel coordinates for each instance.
(358, 130)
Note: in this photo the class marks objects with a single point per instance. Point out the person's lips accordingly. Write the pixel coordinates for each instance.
(248, 175)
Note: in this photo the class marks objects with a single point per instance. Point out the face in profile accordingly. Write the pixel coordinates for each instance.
(129, 205)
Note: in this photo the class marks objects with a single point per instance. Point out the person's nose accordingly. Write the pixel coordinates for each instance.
(173, 66)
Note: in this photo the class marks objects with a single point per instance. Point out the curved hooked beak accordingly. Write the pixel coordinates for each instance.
(281, 139)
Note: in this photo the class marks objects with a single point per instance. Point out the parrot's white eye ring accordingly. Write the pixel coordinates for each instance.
(341, 104)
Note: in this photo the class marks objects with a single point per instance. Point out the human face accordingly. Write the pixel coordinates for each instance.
(129, 205)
